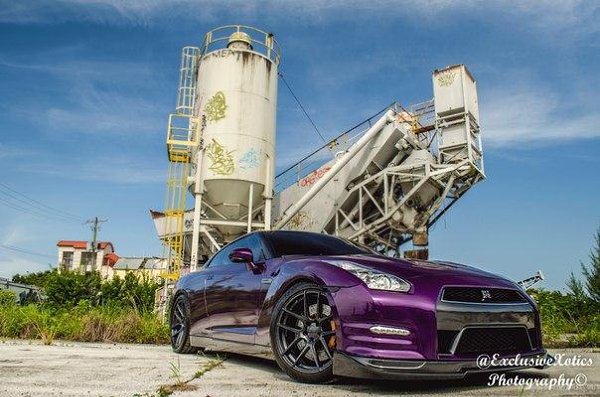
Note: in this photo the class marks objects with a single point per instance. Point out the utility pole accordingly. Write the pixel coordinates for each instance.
(95, 228)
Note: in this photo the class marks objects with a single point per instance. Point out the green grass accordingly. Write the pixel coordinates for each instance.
(81, 323)
(567, 321)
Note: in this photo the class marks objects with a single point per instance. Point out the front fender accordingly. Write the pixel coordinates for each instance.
(292, 272)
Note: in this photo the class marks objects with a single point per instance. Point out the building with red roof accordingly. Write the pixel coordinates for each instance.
(81, 255)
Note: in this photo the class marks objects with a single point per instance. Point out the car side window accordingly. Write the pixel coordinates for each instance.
(216, 258)
(256, 246)
(253, 242)
(222, 257)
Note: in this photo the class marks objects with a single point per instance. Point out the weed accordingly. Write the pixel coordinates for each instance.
(176, 372)
(181, 384)
(47, 335)
(209, 365)
(7, 298)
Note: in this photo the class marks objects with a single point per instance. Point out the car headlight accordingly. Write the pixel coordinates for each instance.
(373, 278)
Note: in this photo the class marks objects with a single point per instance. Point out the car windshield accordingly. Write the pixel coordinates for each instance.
(302, 243)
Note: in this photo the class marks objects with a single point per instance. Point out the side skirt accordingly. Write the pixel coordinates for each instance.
(218, 345)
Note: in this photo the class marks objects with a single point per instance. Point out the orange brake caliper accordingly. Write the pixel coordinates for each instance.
(331, 341)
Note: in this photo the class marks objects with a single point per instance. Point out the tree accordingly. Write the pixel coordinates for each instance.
(591, 274)
(576, 287)
(39, 279)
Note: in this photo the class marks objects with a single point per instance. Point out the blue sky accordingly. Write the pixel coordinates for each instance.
(86, 86)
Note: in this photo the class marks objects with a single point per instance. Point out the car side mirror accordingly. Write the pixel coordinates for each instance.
(241, 255)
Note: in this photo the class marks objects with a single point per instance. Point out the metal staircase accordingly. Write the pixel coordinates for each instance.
(183, 139)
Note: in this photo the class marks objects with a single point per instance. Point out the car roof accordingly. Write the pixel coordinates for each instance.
(267, 233)
(295, 232)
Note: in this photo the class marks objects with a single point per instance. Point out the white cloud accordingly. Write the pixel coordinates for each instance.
(109, 12)
(573, 17)
(12, 152)
(115, 102)
(97, 98)
(105, 95)
(534, 114)
(11, 262)
(108, 114)
(15, 235)
(116, 169)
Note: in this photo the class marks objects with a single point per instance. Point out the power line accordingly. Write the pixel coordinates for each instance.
(25, 251)
(41, 205)
(302, 107)
(28, 211)
(31, 211)
(36, 205)
(335, 139)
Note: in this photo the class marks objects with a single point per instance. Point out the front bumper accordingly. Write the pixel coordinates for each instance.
(377, 368)
(437, 330)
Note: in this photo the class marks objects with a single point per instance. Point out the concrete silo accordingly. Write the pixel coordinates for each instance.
(236, 101)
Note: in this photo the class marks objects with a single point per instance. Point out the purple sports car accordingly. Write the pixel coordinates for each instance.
(322, 306)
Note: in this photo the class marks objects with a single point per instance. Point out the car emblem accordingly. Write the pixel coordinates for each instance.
(485, 294)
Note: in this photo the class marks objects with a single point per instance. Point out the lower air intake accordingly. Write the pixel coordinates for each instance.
(503, 340)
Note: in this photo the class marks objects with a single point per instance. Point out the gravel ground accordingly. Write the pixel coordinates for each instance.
(94, 369)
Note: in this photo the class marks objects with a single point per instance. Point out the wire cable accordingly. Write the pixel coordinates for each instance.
(302, 107)
(25, 210)
(37, 205)
(335, 139)
(25, 251)
(33, 211)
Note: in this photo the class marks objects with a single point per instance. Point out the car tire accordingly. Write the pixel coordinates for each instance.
(310, 334)
(179, 325)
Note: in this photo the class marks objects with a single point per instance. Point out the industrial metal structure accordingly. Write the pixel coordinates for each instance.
(382, 183)
(23, 293)
(390, 182)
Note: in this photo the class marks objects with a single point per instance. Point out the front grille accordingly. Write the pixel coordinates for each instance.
(493, 340)
(482, 295)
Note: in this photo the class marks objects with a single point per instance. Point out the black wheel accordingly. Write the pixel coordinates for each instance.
(180, 326)
(303, 334)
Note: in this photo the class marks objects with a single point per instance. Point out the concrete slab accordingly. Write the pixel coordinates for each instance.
(95, 369)
(88, 369)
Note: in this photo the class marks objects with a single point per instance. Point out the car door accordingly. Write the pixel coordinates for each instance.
(232, 291)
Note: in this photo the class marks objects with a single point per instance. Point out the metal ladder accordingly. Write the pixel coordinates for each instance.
(183, 138)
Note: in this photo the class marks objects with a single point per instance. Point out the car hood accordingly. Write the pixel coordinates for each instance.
(415, 271)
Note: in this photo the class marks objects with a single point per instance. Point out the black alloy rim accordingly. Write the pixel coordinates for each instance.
(305, 332)
(178, 327)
